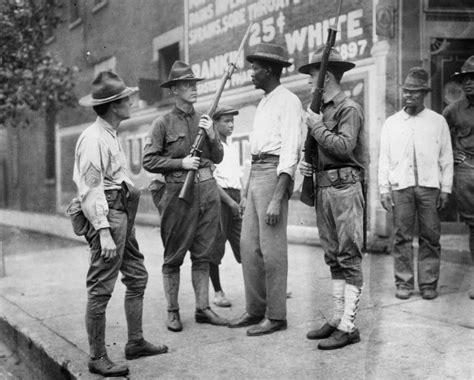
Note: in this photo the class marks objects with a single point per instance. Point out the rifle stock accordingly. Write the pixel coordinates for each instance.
(186, 192)
(307, 190)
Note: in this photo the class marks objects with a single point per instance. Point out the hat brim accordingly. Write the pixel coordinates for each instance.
(89, 101)
(252, 57)
(171, 82)
(217, 115)
(460, 75)
(419, 88)
(337, 65)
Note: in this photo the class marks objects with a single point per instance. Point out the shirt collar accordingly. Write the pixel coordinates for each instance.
(337, 98)
(183, 114)
(466, 103)
(406, 116)
(276, 90)
(104, 124)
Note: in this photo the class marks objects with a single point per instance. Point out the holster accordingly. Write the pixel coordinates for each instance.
(79, 222)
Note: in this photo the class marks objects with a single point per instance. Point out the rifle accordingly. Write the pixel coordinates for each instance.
(307, 191)
(186, 192)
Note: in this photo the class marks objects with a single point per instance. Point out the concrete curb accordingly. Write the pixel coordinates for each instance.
(45, 353)
(59, 225)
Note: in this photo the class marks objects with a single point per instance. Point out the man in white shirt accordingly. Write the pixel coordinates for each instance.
(415, 180)
(275, 144)
(228, 178)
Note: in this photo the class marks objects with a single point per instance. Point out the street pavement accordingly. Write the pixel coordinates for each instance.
(43, 296)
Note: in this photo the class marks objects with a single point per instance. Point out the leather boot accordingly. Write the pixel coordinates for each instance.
(95, 326)
(171, 287)
(133, 314)
(204, 314)
(106, 367)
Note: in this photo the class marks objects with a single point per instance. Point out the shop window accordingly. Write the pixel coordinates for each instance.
(451, 4)
(166, 57)
(74, 14)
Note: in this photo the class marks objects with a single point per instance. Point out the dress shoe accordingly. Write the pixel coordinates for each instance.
(135, 350)
(471, 293)
(321, 333)
(106, 367)
(245, 320)
(339, 339)
(403, 293)
(267, 326)
(174, 322)
(429, 294)
(208, 316)
(221, 300)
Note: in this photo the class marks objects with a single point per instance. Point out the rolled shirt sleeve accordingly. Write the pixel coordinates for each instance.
(291, 130)
(91, 159)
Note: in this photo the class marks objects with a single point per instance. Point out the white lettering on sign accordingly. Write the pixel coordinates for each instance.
(216, 66)
(196, 3)
(315, 35)
(223, 6)
(353, 23)
(263, 7)
(201, 15)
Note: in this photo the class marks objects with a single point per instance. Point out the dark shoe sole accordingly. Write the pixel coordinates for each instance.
(208, 321)
(117, 374)
(260, 333)
(251, 322)
(174, 329)
(141, 355)
(336, 347)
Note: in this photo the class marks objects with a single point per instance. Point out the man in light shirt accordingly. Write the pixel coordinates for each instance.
(109, 204)
(415, 179)
(275, 144)
(228, 178)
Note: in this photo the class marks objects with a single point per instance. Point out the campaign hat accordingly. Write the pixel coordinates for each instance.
(224, 110)
(416, 80)
(270, 53)
(180, 71)
(335, 62)
(467, 68)
(107, 87)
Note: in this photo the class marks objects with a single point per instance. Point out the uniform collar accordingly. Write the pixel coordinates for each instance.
(183, 114)
(337, 98)
(104, 124)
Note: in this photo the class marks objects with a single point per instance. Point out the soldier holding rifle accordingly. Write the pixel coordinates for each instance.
(340, 157)
(186, 226)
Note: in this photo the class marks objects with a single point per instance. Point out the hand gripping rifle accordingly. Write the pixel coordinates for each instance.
(186, 192)
(307, 191)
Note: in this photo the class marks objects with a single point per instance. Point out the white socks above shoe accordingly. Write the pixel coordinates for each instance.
(338, 301)
(351, 302)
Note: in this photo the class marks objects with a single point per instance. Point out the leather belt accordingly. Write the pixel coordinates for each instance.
(263, 156)
(340, 176)
(179, 176)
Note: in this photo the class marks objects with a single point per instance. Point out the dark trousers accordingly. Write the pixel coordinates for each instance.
(412, 203)
(230, 228)
(339, 217)
(189, 227)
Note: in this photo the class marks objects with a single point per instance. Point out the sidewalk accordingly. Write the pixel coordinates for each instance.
(43, 298)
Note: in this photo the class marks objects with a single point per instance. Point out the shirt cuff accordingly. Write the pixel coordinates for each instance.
(446, 189)
(100, 223)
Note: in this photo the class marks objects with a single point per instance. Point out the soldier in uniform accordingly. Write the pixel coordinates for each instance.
(339, 162)
(186, 227)
(109, 203)
(460, 118)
